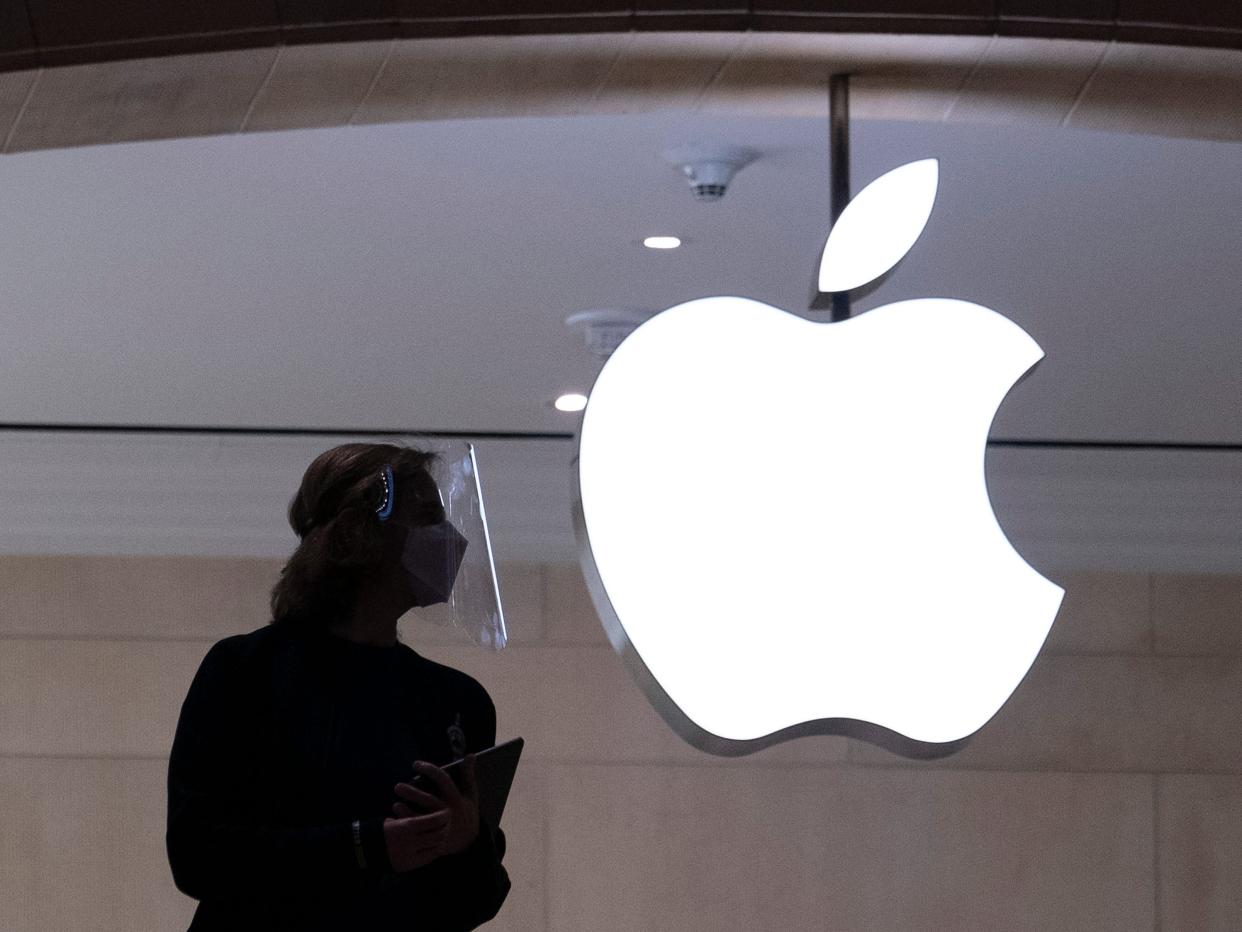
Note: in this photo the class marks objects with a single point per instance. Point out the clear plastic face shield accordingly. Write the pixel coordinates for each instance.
(447, 557)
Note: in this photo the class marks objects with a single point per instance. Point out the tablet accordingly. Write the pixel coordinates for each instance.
(494, 769)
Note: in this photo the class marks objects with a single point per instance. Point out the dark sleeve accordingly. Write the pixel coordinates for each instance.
(221, 838)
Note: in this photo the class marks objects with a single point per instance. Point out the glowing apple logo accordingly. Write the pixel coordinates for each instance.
(785, 523)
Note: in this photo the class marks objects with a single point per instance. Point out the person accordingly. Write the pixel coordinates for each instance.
(290, 801)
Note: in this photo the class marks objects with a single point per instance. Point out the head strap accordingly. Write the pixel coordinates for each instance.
(385, 507)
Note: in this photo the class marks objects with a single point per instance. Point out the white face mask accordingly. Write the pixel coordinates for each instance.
(432, 557)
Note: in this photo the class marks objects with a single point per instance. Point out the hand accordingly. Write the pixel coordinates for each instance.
(415, 840)
(462, 805)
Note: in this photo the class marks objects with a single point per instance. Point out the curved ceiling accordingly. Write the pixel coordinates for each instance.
(1090, 84)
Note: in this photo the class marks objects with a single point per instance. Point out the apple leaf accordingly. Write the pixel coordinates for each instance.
(878, 227)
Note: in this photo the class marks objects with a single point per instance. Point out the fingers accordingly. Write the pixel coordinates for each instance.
(441, 818)
(420, 798)
(429, 847)
(402, 811)
(426, 830)
(433, 822)
(417, 839)
(425, 841)
(446, 789)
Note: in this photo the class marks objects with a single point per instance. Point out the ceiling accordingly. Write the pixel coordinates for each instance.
(416, 276)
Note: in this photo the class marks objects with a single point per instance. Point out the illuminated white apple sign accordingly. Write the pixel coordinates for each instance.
(785, 523)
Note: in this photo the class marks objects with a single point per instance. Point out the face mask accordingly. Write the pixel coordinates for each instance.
(432, 557)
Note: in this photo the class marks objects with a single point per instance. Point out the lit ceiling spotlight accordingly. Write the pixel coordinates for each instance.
(661, 242)
(571, 403)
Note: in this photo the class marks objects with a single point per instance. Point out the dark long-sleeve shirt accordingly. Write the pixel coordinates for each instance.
(286, 738)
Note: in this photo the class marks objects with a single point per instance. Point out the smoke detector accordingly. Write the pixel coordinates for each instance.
(604, 329)
(709, 166)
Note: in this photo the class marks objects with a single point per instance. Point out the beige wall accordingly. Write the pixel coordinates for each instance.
(1107, 795)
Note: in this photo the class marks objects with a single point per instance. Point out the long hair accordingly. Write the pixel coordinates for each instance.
(333, 513)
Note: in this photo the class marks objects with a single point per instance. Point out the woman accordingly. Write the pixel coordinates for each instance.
(289, 801)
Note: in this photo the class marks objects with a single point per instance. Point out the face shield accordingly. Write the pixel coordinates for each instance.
(447, 555)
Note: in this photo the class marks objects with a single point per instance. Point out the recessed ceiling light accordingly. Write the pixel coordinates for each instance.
(661, 242)
(571, 402)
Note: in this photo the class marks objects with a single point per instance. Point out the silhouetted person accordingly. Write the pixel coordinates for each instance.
(289, 806)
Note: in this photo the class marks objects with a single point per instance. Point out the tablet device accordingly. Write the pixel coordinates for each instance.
(494, 769)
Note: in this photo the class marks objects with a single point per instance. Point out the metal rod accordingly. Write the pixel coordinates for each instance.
(839, 168)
